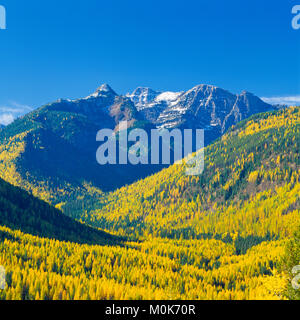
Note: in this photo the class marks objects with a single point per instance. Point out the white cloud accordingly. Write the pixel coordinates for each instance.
(6, 118)
(11, 111)
(288, 100)
(23, 107)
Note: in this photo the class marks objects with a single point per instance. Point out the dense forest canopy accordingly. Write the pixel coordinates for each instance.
(227, 234)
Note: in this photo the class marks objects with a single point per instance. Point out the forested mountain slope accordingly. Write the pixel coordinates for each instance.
(51, 151)
(21, 211)
(249, 190)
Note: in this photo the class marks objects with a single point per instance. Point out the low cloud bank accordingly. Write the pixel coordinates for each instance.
(289, 100)
(11, 111)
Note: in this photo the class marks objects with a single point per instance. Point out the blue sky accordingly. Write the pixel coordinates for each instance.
(65, 49)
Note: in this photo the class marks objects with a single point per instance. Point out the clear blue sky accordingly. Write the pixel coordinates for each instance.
(65, 49)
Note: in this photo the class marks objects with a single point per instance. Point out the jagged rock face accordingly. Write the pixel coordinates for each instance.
(104, 108)
(203, 107)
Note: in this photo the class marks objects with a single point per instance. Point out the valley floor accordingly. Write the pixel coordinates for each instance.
(38, 268)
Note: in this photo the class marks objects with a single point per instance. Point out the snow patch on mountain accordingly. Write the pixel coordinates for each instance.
(143, 97)
(169, 97)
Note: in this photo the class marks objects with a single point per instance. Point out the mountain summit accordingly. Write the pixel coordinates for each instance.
(103, 90)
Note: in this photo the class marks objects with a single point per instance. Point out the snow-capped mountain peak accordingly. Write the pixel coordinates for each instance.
(103, 90)
(203, 106)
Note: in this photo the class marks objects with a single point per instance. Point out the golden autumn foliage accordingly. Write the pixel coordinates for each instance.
(39, 268)
(221, 235)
